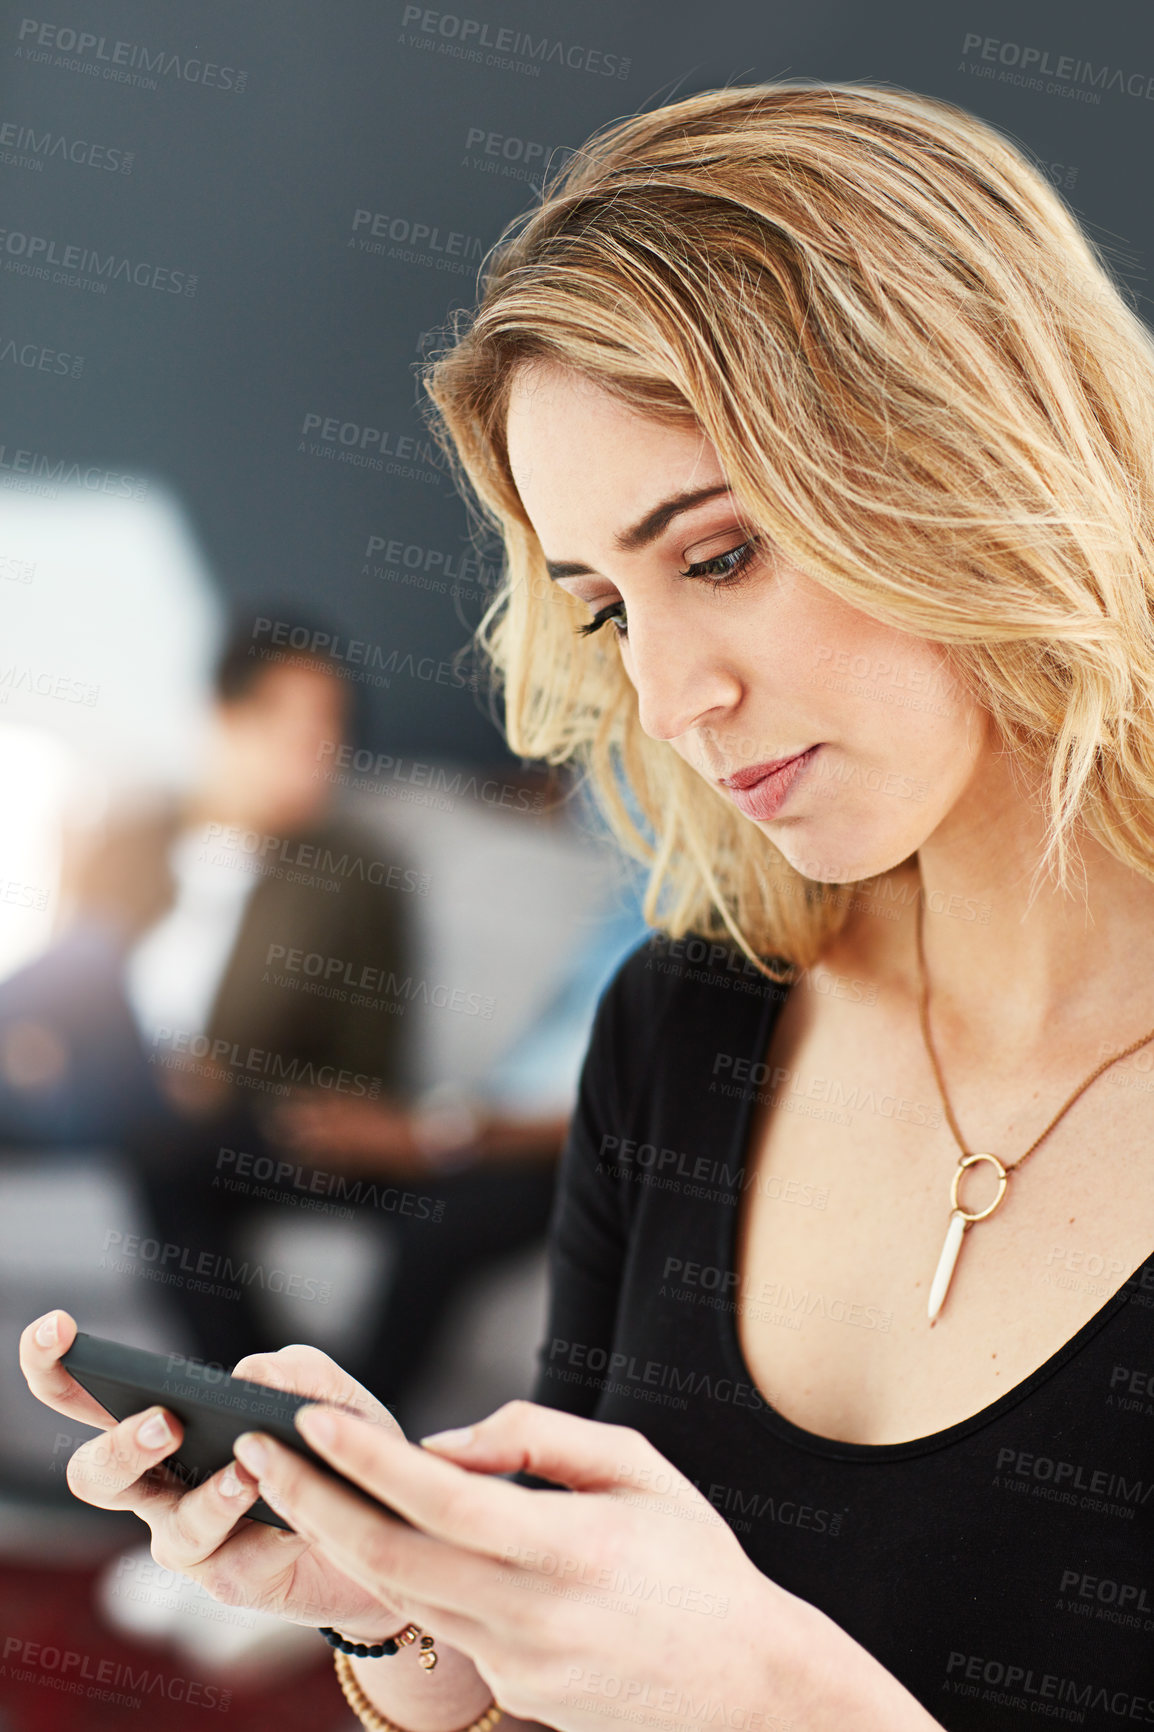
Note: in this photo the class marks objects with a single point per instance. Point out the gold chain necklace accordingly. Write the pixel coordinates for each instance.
(961, 1219)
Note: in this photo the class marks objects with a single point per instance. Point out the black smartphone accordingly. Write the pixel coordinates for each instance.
(213, 1408)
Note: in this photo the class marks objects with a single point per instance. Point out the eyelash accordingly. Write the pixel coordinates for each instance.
(728, 577)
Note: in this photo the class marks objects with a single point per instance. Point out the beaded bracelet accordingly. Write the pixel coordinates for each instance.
(377, 1650)
(371, 1716)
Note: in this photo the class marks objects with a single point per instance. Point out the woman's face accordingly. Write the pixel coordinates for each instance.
(746, 661)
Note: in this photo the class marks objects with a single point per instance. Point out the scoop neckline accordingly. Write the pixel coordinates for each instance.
(841, 1448)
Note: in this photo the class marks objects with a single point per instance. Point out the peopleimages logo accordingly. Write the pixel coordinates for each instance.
(414, 242)
(1040, 68)
(503, 153)
(52, 473)
(352, 658)
(426, 567)
(268, 855)
(1011, 1685)
(226, 1061)
(39, 358)
(367, 447)
(103, 1680)
(508, 49)
(42, 683)
(337, 977)
(170, 1264)
(31, 255)
(420, 783)
(24, 147)
(282, 1182)
(122, 62)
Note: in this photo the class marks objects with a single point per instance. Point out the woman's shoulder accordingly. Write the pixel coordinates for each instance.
(668, 1009)
(668, 989)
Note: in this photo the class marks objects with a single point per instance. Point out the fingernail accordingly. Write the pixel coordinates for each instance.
(47, 1333)
(154, 1431)
(251, 1453)
(315, 1425)
(231, 1484)
(458, 1437)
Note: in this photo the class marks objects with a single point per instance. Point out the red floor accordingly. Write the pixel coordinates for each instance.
(55, 1609)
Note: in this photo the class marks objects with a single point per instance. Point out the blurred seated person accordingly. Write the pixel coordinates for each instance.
(159, 1023)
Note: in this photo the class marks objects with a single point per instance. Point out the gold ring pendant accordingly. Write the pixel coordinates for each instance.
(1003, 1181)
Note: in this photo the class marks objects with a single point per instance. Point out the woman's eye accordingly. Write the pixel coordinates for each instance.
(615, 610)
(722, 565)
(722, 569)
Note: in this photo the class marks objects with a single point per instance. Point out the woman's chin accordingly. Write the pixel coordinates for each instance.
(824, 861)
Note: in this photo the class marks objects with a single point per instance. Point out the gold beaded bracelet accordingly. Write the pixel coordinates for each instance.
(371, 1716)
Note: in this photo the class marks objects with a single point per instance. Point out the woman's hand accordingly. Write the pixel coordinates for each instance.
(631, 1598)
(204, 1533)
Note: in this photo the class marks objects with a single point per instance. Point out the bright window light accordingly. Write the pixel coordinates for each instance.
(109, 620)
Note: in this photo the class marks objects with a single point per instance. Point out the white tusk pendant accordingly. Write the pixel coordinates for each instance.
(943, 1274)
(960, 1219)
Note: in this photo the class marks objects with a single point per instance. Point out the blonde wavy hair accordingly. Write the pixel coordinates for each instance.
(924, 386)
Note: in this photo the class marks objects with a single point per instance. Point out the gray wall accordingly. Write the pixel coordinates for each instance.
(406, 113)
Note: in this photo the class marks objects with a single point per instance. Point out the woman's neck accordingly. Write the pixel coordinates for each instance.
(1015, 973)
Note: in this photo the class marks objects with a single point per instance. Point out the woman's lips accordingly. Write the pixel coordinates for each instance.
(764, 798)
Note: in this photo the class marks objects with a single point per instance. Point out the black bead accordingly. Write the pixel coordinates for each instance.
(359, 1650)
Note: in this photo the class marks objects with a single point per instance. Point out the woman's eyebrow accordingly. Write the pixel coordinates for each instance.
(642, 533)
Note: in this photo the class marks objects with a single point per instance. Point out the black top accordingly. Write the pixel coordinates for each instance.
(1001, 1569)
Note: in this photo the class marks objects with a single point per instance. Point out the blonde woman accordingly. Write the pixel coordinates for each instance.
(821, 444)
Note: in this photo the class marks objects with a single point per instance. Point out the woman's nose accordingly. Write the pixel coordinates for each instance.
(680, 678)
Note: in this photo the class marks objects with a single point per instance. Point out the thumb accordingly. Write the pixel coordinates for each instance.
(564, 1448)
(304, 1370)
